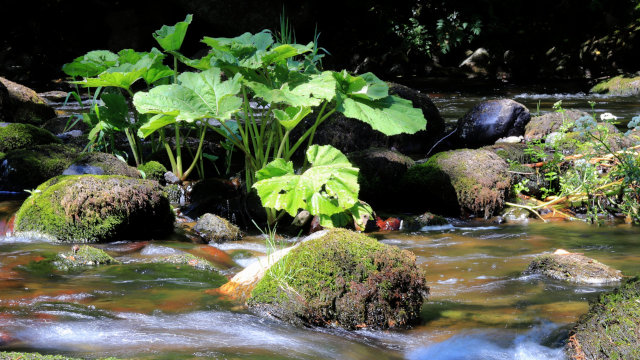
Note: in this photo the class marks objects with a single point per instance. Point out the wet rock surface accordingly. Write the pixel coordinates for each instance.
(216, 229)
(98, 163)
(21, 104)
(573, 267)
(541, 126)
(491, 120)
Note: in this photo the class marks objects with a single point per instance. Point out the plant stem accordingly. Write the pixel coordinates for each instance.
(172, 160)
(197, 156)
(282, 142)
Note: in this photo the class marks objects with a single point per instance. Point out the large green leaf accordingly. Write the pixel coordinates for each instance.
(391, 116)
(170, 38)
(329, 186)
(291, 116)
(91, 64)
(150, 61)
(155, 123)
(122, 76)
(196, 96)
(305, 90)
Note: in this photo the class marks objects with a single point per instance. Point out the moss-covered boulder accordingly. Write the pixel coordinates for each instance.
(19, 136)
(541, 126)
(343, 278)
(573, 267)
(24, 169)
(418, 222)
(185, 259)
(380, 171)
(458, 182)
(22, 105)
(214, 228)
(153, 170)
(610, 329)
(620, 85)
(98, 163)
(82, 256)
(95, 208)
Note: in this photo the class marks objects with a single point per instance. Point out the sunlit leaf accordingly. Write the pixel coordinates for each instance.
(90, 64)
(155, 123)
(291, 116)
(170, 38)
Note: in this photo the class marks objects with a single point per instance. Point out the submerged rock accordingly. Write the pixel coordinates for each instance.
(610, 329)
(82, 256)
(572, 267)
(458, 182)
(620, 85)
(216, 229)
(98, 163)
(95, 208)
(19, 136)
(491, 120)
(24, 169)
(20, 104)
(343, 278)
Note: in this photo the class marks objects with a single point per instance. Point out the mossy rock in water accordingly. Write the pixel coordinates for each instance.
(620, 85)
(19, 136)
(98, 163)
(24, 169)
(610, 329)
(214, 228)
(83, 256)
(153, 170)
(459, 182)
(541, 126)
(427, 219)
(185, 259)
(36, 356)
(343, 278)
(22, 104)
(95, 208)
(573, 267)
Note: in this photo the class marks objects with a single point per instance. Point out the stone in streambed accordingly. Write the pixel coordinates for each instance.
(216, 229)
(98, 163)
(95, 208)
(573, 267)
(19, 136)
(20, 104)
(492, 120)
(82, 256)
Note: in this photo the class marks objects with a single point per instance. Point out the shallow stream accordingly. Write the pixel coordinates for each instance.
(480, 306)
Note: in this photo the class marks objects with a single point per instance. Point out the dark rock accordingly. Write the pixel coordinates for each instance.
(24, 169)
(573, 267)
(349, 135)
(415, 223)
(19, 136)
(22, 105)
(458, 182)
(95, 208)
(610, 329)
(477, 64)
(97, 163)
(380, 169)
(541, 126)
(343, 278)
(216, 229)
(491, 120)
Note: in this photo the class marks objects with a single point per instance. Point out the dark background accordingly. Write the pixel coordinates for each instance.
(561, 39)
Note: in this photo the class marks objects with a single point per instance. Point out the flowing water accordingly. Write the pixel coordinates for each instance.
(480, 306)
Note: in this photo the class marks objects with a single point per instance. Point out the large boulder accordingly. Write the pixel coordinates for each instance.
(98, 163)
(95, 208)
(491, 120)
(349, 135)
(610, 329)
(19, 136)
(572, 267)
(343, 278)
(380, 171)
(20, 104)
(541, 126)
(24, 169)
(620, 85)
(458, 182)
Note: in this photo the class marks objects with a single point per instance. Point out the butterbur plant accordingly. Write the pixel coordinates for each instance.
(253, 91)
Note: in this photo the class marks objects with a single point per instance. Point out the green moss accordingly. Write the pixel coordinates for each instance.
(30, 167)
(186, 259)
(619, 85)
(153, 170)
(95, 208)
(107, 164)
(345, 278)
(19, 136)
(83, 257)
(610, 329)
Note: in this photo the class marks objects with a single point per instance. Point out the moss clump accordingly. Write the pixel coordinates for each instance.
(81, 257)
(346, 279)
(610, 329)
(185, 259)
(619, 85)
(96, 208)
(574, 268)
(27, 168)
(153, 170)
(459, 182)
(20, 136)
(98, 163)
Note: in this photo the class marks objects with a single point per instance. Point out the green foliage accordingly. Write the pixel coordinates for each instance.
(171, 37)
